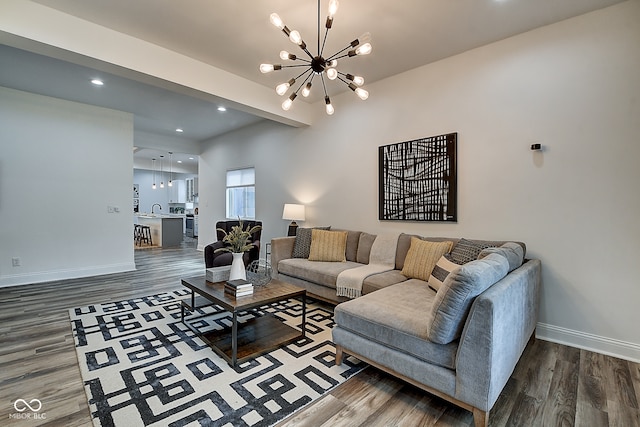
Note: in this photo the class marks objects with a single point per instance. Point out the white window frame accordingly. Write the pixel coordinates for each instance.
(240, 194)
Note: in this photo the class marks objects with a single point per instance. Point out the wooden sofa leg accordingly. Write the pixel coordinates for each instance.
(338, 355)
(480, 418)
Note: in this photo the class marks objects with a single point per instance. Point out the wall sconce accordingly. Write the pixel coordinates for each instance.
(293, 213)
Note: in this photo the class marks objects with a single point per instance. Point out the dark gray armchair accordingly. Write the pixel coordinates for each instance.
(217, 259)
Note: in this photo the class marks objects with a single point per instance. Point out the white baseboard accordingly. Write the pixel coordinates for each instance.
(48, 276)
(610, 347)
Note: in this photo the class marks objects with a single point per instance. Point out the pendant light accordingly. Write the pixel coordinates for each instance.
(161, 173)
(170, 183)
(153, 163)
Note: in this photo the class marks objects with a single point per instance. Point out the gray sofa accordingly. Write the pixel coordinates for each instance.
(461, 342)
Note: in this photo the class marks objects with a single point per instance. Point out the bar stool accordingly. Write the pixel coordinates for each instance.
(146, 234)
(137, 234)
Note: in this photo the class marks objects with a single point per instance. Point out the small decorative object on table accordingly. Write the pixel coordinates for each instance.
(218, 274)
(238, 243)
(238, 288)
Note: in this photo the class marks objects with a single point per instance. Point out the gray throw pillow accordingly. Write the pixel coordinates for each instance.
(466, 250)
(302, 244)
(453, 300)
(513, 252)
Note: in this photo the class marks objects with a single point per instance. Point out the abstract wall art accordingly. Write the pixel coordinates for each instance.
(417, 180)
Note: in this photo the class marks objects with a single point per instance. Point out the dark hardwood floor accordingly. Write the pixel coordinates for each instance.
(553, 385)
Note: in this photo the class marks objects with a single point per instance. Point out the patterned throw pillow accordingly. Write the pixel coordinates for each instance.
(422, 257)
(328, 246)
(302, 243)
(465, 250)
(443, 268)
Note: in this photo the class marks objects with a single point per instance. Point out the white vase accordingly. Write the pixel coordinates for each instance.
(237, 267)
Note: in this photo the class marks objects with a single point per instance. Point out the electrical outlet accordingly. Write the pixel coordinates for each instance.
(15, 262)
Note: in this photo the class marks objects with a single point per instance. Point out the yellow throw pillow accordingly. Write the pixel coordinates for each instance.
(423, 256)
(328, 245)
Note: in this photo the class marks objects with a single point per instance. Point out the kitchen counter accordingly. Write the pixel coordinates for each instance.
(166, 230)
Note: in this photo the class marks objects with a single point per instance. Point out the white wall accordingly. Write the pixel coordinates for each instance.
(62, 164)
(572, 87)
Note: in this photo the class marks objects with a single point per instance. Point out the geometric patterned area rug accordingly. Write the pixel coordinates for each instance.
(141, 366)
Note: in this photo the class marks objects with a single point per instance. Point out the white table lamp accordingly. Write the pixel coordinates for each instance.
(293, 213)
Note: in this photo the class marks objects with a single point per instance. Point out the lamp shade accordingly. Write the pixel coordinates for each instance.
(293, 212)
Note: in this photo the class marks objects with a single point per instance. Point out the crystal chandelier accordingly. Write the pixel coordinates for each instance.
(318, 65)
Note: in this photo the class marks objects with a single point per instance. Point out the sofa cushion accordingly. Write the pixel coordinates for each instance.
(302, 243)
(364, 247)
(394, 317)
(328, 245)
(443, 267)
(318, 272)
(513, 252)
(382, 280)
(423, 256)
(468, 250)
(447, 314)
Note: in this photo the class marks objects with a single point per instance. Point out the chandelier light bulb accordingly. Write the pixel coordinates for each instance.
(286, 105)
(362, 94)
(333, 63)
(282, 88)
(364, 49)
(306, 90)
(266, 68)
(295, 37)
(357, 80)
(275, 20)
(332, 73)
(284, 55)
(328, 107)
(333, 8)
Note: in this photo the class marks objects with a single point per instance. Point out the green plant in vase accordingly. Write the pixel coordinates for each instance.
(238, 242)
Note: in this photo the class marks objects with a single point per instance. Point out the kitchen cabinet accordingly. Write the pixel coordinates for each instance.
(178, 192)
(192, 189)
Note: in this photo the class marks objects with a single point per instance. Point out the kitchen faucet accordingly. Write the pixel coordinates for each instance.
(155, 205)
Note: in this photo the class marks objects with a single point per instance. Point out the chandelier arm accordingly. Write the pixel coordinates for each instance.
(331, 58)
(304, 82)
(325, 37)
(335, 55)
(326, 34)
(298, 65)
(324, 86)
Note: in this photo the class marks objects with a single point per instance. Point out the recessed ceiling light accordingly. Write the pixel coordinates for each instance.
(222, 109)
(97, 82)
(179, 130)
(190, 158)
(179, 161)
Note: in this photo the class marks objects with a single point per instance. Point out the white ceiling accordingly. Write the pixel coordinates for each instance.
(236, 36)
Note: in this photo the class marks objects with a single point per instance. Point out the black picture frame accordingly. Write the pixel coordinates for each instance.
(418, 180)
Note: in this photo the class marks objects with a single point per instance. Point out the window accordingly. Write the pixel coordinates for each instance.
(241, 193)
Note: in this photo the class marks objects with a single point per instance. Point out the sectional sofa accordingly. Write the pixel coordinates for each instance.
(456, 330)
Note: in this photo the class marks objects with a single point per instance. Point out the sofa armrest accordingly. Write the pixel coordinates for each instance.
(281, 248)
(500, 323)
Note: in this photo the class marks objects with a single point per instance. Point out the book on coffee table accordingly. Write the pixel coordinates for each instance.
(238, 287)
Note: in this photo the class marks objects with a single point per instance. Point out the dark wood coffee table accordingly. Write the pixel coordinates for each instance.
(250, 339)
